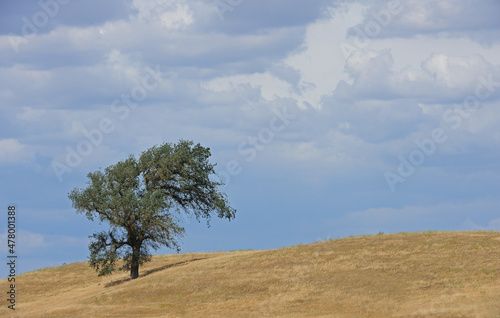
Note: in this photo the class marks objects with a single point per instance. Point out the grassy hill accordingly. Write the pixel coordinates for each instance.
(431, 274)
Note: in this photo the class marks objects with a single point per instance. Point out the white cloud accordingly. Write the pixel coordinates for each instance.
(270, 86)
(320, 62)
(469, 225)
(456, 72)
(443, 216)
(456, 18)
(168, 13)
(25, 241)
(494, 224)
(32, 115)
(441, 77)
(238, 74)
(14, 152)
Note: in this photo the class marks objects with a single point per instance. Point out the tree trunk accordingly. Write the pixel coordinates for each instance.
(134, 271)
(134, 264)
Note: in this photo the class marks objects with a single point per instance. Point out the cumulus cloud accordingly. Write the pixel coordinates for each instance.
(93, 64)
(371, 71)
(441, 77)
(237, 67)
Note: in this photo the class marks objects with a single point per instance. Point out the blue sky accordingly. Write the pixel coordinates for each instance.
(326, 118)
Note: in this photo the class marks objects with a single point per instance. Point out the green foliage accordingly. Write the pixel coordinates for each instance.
(142, 198)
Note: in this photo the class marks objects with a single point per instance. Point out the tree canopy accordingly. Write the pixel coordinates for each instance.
(142, 198)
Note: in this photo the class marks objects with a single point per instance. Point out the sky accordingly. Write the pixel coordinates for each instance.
(326, 118)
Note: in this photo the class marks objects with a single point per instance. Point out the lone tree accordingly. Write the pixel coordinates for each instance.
(141, 200)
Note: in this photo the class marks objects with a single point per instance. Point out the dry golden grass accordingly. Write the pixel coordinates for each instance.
(414, 275)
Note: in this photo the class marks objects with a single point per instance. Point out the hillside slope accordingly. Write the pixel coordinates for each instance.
(432, 274)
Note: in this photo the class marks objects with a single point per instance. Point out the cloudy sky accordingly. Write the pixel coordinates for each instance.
(326, 118)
